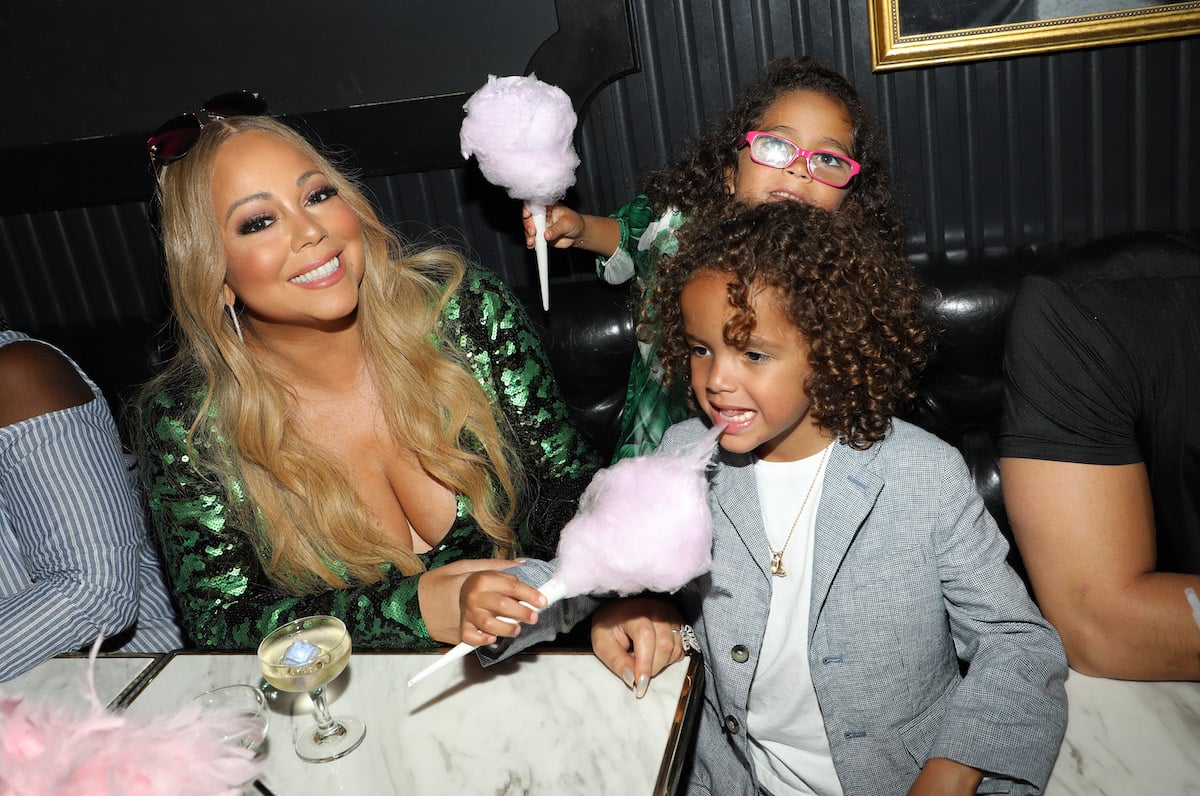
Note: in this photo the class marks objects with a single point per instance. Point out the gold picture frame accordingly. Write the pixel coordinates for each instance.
(892, 48)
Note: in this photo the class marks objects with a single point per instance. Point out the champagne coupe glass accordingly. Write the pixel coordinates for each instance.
(305, 655)
(246, 706)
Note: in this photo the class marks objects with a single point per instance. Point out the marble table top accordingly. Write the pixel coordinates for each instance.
(64, 679)
(539, 723)
(557, 722)
(1129, 738)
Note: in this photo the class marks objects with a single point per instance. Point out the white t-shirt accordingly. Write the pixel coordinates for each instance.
(788, 742)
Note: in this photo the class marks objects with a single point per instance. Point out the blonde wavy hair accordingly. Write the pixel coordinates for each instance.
(304, 517)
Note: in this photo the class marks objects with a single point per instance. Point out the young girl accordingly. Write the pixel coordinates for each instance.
(798, 133)
(861, 631)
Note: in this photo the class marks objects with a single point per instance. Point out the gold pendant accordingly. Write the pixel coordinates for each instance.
(777, 564)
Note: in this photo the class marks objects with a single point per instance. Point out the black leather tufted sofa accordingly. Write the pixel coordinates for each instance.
(589, 337)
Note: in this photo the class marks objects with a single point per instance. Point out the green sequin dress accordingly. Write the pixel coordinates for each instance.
(225, 599)
(650, 408)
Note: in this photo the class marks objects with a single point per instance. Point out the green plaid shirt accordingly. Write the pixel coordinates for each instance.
(650, 408)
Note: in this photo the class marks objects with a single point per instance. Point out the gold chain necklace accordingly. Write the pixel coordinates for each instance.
(777, 569)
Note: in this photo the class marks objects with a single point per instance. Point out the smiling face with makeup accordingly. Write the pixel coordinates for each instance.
(293, 247)
(810, 120)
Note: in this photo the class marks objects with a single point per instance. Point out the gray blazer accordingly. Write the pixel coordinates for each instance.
(909, 577)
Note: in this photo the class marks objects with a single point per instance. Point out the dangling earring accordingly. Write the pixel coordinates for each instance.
(237, 326)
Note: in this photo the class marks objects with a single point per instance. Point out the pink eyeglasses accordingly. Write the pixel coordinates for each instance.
(776, 152)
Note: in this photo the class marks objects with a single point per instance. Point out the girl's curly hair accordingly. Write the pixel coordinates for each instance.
(697, 180)
(856, 302)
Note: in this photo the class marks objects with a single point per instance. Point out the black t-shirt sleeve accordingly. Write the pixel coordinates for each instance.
(1068, 391)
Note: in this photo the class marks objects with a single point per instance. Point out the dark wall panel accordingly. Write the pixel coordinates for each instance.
(989, 156)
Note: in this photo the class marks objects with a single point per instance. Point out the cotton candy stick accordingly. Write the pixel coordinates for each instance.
(552, 590)
(538, 212)
(521, 131)
(643, 525)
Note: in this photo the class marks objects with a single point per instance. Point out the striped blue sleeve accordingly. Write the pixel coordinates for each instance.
(71, 532)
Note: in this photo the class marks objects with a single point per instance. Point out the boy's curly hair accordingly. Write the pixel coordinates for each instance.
(856, 302)
(697, 180)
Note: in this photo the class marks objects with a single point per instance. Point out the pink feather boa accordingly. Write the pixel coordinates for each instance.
(50, 749)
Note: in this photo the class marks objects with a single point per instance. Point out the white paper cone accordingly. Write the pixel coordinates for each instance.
(539, 248)
(459, 650)
(552, 590)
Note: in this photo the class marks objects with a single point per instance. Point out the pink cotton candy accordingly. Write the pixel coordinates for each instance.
(48, 749)
(520, 130)
(643, 525)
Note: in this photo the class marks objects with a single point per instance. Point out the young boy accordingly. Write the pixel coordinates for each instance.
(862, 633)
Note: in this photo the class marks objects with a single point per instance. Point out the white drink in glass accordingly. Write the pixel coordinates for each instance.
(308, 672)
(304, 655)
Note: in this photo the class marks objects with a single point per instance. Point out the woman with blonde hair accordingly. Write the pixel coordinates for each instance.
(348, 427)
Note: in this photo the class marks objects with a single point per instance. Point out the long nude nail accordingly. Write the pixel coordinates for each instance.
(627, 676)
(642, 684)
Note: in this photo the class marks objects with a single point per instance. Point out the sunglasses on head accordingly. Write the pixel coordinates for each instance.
(176, 137)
